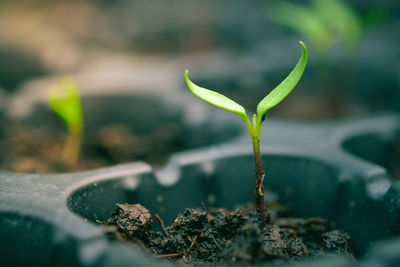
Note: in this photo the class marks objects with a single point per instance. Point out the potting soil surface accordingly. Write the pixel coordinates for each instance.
(39, 149)
(207, 236)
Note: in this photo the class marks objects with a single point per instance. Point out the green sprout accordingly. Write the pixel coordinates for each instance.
(66, 103)
(270, 101)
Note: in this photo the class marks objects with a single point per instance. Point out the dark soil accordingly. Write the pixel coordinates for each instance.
(219, 236)
(39, 149)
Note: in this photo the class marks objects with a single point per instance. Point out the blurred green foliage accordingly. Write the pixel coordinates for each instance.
(326, 23)
(66, 103)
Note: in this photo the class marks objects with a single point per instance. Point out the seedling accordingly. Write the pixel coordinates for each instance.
(323, 23)
(329, 25)
(66, 103)
(270, 101)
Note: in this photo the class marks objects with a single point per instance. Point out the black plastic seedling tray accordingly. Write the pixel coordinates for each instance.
(316, 169)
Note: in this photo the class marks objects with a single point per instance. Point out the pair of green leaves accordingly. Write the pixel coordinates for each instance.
(270, 101)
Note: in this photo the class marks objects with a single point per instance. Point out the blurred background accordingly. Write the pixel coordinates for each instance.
(240, 48)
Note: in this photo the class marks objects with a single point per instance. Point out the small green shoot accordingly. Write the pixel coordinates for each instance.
(270, 101)
(66, 103)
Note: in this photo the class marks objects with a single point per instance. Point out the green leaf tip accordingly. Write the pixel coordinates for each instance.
(215, 98)
(285, 87)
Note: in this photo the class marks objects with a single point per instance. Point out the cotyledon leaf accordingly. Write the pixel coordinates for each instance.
(215, 98)
(285, 87)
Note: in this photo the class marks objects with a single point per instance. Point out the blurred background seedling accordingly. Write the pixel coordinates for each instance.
(65, 101)
(324, 23)
(329, 26)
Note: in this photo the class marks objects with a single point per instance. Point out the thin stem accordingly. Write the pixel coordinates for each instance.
(72, 148)
(254, 131)
(260, 175)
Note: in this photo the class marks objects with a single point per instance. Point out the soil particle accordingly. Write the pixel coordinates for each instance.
(221, 236)
(192, 220)
(131, 219)
(336, 240)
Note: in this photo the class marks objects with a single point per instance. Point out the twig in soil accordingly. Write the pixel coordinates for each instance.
(193, 243)
(215, 241)
(160, 221)
(172, 255)
(177, 222)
